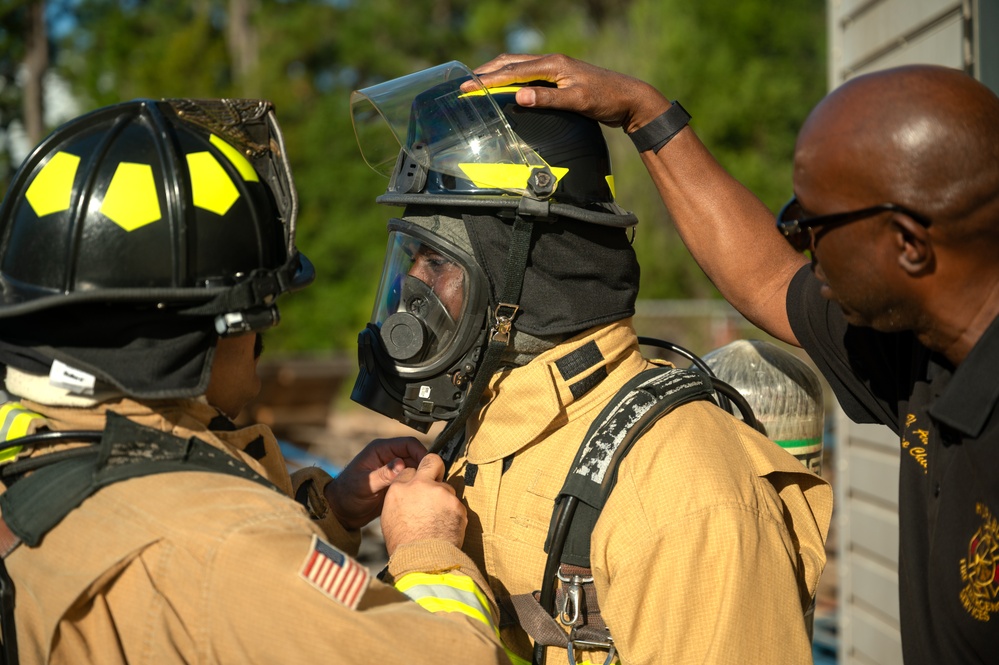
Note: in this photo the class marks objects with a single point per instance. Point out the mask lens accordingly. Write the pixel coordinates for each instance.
(421, 300)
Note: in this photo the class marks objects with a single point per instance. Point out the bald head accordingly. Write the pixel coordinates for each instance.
(922, 136)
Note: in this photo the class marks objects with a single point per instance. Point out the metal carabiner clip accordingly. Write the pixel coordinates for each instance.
(572, 598)
(571, 649)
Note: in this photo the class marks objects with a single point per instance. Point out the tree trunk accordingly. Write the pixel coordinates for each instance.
(36, 62)
(243, 43)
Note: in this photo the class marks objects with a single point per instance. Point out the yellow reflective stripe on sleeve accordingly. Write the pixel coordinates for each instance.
(15, 421)
(435, 604)
(447, 593)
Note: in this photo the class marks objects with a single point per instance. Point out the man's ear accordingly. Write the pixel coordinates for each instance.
(914, 245)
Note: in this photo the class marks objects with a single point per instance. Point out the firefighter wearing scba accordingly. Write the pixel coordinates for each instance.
(505, 308)
(143, 247)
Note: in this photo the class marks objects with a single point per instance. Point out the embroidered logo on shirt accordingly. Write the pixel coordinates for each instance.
(334, 573)
(981, 569)
(915, 440)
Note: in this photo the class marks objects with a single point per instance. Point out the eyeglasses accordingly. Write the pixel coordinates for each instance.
(799, 230)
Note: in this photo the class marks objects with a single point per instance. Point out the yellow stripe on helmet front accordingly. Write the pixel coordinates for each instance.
(505, 176)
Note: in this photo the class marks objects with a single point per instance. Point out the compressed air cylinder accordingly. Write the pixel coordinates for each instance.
(784, 393)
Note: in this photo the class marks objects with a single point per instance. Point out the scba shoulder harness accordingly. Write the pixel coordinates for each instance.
(639, 404)
(36, 503)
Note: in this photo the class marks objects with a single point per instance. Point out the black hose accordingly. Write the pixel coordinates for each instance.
(745, 409)
(694, 359)
(567, 508)
(87, 435)
(31, 463)
(678, 350)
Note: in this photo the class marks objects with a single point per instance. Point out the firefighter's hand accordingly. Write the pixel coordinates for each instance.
(357, 493)
(421, 507)
(615, 99)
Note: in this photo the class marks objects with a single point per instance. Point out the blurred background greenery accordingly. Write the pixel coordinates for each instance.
(747, 70)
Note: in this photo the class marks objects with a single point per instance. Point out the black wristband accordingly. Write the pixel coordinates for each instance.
(657, 133)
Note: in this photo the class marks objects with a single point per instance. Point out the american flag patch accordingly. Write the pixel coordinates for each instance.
(334, 573)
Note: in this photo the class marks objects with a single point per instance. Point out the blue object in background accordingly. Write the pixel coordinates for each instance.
(297, 458)
(822, 656)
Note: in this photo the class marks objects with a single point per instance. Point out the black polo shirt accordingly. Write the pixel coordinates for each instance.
(948, 427)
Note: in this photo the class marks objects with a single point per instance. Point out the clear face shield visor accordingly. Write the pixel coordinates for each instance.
(426, 301)
(461, 133)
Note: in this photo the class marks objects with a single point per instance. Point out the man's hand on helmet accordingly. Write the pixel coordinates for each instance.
(617, 100)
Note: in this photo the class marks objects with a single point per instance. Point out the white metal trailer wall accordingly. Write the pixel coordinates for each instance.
(867, 35)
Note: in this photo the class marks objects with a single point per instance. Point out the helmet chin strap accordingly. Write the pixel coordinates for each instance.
(502, 317)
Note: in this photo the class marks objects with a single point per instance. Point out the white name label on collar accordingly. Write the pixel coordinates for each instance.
(69, 378)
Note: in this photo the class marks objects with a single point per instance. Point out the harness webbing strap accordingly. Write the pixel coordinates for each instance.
(448, 441)
(582, 613)
(38, 502)
(639, 404)
(8, 540)
(636, 407)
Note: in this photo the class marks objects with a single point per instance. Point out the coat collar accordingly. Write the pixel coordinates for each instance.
(255, 445)
(554, 388)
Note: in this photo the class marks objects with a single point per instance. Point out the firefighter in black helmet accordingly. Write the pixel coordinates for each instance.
(142, 250)
(505, 308)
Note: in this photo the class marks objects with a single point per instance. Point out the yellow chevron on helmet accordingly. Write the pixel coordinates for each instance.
(51, 190)
(131, 200)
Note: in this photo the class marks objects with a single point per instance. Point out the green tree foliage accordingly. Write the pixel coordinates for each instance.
(13, 25)
(748, 71)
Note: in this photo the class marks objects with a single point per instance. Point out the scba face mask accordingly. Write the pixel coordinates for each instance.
(420, 350)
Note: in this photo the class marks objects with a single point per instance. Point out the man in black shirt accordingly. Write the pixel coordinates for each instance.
(896, 181)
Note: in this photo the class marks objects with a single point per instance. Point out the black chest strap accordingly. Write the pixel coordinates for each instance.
(38, 502)
(639, 404)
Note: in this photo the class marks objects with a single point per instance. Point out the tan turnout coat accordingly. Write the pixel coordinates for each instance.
(196, 567)
(710, 546)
